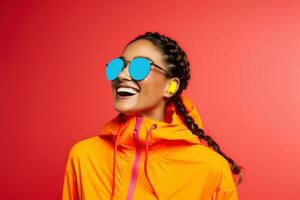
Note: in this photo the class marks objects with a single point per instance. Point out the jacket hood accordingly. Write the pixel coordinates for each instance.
(132, 132)
(172, 129)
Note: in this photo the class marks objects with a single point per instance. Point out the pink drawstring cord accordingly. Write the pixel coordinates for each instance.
(114, 163)
(146, 162)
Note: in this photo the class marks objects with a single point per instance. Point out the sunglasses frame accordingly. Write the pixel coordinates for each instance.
(150, 61)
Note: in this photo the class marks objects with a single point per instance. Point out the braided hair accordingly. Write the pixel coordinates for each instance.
(179, 66)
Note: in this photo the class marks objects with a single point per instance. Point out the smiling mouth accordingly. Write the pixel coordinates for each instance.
(126, 91)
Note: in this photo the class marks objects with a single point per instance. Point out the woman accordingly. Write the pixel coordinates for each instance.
(154, 149)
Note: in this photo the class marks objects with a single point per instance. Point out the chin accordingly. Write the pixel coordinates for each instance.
(125, 111)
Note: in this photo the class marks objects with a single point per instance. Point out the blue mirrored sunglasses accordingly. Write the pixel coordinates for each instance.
(139, 68)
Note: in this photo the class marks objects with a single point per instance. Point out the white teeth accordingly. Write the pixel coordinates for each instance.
(129, 90)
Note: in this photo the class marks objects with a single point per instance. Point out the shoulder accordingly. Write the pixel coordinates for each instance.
(81, 152)
(213, 157)
(221, 168)
(215, 161)
(87, 146)
(206, 161)
(202, 154)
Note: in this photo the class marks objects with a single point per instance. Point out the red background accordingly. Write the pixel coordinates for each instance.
(244, 55)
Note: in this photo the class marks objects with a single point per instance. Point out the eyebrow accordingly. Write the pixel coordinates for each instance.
(140, 57)
(144, 57)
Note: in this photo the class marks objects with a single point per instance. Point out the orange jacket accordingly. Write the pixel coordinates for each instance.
(143, 159)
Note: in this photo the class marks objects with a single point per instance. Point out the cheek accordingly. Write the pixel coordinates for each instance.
(113, 91)
(153, 87)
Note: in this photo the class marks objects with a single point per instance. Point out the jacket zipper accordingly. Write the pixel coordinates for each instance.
(135, 167)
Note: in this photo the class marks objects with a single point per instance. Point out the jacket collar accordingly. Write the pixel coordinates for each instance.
(173, 129)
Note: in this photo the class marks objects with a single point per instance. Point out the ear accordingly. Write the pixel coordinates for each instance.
(176, 82)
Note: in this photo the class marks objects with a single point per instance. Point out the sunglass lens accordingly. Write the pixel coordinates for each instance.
(113, 68)
(139, 68)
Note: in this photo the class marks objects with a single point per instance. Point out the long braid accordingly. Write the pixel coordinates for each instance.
(189, 121)
(179, 67)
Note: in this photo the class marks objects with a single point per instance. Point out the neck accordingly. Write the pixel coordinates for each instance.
(154, 116)
(157, 114)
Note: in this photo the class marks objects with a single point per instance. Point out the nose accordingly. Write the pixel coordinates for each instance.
(124, 74)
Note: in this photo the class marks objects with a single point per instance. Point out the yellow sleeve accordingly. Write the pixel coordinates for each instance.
(226, 194)
(227, 188)
(70, 189)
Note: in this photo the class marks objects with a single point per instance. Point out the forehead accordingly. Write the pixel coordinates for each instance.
(143, 48)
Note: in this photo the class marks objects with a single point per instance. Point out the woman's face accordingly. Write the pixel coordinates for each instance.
(151, 92)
